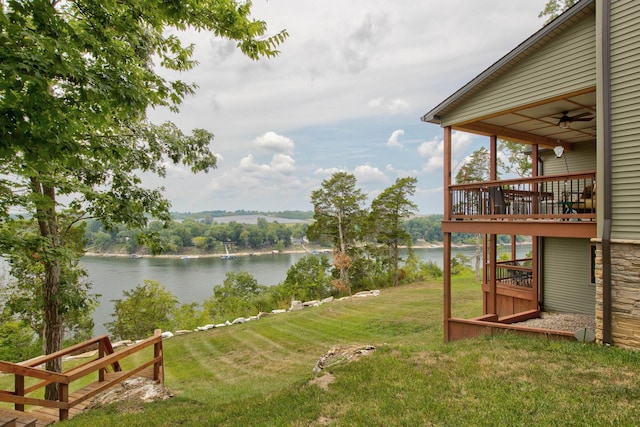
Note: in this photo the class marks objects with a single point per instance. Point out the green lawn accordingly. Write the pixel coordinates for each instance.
(259, 373)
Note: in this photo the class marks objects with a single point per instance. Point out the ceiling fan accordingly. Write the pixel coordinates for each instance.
(565, 119)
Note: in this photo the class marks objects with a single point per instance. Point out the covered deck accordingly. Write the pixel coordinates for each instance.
(543, 205)
(552, 205)
(558, 205)
(543, 95)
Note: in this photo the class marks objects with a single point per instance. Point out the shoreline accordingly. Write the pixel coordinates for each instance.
(436, 245)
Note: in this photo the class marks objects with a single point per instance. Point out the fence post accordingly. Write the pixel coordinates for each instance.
(63, 389)
(158, 366)
(19, 389)
(101, 354)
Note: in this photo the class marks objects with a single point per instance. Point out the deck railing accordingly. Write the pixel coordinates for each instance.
(549, 197)
(515, 272)
(23, 393)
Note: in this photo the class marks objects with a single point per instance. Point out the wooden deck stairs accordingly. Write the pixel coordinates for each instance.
(106, 369)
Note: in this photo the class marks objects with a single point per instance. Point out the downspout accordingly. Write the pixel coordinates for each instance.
(607, 175)
(540, 253)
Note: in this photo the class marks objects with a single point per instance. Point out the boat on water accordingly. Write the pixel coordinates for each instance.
(227, 255)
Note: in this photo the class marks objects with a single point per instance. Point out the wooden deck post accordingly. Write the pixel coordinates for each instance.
(19, 391)
(158, 367)
(446, 270)
(63, 389)
(535, 208)
(493, 287)
(493, 176)
(493, 158)
(101, 354)
(535, 240)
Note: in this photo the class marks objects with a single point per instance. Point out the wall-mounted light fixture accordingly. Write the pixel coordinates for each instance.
(558, 150)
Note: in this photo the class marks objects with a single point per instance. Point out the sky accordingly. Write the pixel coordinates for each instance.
(346, 93)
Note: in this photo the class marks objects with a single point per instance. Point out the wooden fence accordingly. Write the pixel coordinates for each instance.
(106, 367)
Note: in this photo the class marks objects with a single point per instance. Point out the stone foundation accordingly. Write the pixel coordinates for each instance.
(625, 294)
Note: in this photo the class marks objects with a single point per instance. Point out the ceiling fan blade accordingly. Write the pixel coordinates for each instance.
(586, 113)
(584, 119)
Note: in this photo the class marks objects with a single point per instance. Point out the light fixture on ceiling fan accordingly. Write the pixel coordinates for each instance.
(565, 120)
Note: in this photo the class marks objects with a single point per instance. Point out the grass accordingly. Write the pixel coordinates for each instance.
(259, 373)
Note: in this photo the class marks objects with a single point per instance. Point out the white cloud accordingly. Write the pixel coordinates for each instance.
(392, 107)
(398, 106)
(433, 150)
(359, 46)
(327, 172)
(367, 174)
(283, 163)
(349, 72)
(375, 103)
(393, 139)
(273, 142)
(174, 171)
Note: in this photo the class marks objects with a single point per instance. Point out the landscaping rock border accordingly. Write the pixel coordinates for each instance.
(295, 306)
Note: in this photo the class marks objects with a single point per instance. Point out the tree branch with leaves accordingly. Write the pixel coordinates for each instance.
(76, 81)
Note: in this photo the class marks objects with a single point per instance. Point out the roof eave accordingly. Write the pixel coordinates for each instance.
(434, 116)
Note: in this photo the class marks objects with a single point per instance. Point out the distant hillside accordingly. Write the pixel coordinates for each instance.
(299, 215)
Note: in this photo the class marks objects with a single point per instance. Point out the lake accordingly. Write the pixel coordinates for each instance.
(193, 279)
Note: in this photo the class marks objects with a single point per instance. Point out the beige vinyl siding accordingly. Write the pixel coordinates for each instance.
(582, 158)
(567, 276)
(566, 64)
(625, 113)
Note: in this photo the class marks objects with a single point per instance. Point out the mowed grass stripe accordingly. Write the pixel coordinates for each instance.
(412, 378)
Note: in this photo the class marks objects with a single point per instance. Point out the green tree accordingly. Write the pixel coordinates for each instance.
(102, 241)
(189, 316)
(553, 8)
(516, 161)
(339, 215)
(23, 297)
(237, 296)
(308, 279)
(388, 212)
(18, 342)
(76, 81)
(417, 271)
(145, 308)
(476, 169)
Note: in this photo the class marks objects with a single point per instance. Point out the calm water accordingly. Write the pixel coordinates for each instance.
(193, 279)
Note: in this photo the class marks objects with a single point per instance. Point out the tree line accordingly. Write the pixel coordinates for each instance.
(203, 234)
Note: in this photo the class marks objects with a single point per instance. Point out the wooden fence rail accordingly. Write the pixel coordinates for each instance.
(71, 403)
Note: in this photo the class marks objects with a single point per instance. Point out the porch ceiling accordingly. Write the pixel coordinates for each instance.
(538, 123)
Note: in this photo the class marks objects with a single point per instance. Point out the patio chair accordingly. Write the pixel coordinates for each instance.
(498, 204)
(586, 203)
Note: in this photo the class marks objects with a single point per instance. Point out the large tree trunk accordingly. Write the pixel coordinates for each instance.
(344, 269)
(52, 323)
(396, 256)
(48, 225)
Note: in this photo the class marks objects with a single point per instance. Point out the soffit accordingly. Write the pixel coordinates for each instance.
(530, 123)
(539, 123)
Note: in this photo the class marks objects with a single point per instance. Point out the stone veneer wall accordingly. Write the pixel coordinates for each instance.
(625, 294)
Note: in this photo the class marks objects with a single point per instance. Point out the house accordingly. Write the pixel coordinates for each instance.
(570, 93)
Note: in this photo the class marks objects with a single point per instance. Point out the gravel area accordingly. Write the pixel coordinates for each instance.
(562, 322)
